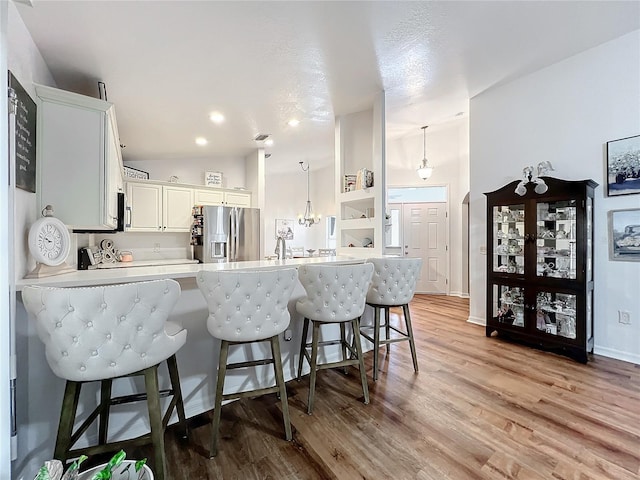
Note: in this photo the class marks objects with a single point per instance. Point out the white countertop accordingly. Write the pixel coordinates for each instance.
(88, 278)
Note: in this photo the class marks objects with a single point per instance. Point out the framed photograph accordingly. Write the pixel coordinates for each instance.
(130, 172)
(213, 179)
(623, 166)
(624, 235)
(284, 228)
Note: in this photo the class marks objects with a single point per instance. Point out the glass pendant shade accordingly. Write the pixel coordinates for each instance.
(309, 218)
(424, 170)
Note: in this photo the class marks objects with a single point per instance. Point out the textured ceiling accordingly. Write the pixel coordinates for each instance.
(168, 64)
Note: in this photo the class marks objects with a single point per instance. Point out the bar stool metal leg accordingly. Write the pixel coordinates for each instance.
(105, 403)
(388, 327)
(314, 366)
(355, 323)
(343, 344)
(217, 409)
(172, 365)
(155, 420)
(376, 341)
(67, 417)
(412, 344)
(277, 366)
(303, 346)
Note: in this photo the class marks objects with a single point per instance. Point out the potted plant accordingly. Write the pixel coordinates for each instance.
(115, 469)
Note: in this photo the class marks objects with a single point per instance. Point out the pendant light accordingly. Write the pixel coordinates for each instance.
(424, 170)
(308, 218)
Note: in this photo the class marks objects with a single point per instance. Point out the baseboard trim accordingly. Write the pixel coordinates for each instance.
(617, 354)
(459, 294)
(477, 320)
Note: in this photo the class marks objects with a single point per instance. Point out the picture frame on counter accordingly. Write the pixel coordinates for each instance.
(213, 179)
(131, 172)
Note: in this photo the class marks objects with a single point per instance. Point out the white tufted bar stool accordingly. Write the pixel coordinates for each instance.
(393, 285)
(104, 333)
(245, 307)
(335, 294)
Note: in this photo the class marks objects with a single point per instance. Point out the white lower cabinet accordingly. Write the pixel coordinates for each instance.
(158, 208)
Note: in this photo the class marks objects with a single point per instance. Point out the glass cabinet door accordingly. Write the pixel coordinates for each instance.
(556, 314)
(508, 305)
(556, 239)
(508, 239)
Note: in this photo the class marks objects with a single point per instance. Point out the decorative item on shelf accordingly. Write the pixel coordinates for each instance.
(308, 218)
(213, 179)
(349, 183)
(108, 251)
(527, 178)
(131, 172)
(424, 170)
(49, 243)
(364, 179)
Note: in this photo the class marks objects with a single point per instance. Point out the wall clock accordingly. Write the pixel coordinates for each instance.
(49, 243)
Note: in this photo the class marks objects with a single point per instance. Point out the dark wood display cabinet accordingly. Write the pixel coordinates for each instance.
(540, 265)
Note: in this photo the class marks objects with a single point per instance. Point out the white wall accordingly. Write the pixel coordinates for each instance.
(564, 113)
(191, 170)
(286, 197)
(448, 153)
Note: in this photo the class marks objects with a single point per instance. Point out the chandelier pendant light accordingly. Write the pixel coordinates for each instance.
(424, 170)
(308, 218)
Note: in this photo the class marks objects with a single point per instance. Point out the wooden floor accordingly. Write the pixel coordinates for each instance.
(480, 408)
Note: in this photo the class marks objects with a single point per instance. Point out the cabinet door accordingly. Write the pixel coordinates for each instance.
(113, 160)
(177, 203)
(507, 246)
(208, 197)
(556, 238)
(145, 207)
(234, 199)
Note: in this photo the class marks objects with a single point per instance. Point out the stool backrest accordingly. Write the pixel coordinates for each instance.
(394, 280)
(94, 333)
(247, 305)
(335, 293)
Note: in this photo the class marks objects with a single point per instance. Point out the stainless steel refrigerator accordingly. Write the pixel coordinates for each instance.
(225, 234)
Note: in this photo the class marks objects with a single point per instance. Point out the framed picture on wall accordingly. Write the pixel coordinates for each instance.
(624, 235)
(284, 228)
(623, 166)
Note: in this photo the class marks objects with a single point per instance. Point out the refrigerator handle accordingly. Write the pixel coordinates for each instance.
(232, 237)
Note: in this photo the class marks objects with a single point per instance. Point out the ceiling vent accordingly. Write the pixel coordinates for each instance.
(261, 137)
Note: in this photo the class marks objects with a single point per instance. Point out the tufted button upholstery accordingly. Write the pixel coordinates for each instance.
(394, 280)
(244, 307)
(248, 305)
(100, 334)
(104, 332)
(393, 285)
(335, 293)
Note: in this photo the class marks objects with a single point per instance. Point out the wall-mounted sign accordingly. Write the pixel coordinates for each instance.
(25, 137)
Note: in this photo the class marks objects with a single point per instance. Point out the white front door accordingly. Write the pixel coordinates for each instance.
(425, 236)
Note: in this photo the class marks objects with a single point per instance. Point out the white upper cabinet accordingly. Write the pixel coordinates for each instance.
(220, 197)
(155, 207)
(79, 159)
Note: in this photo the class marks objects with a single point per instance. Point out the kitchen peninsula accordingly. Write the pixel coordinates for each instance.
(197, 360)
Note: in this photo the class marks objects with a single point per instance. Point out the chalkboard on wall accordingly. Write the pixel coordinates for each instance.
(25, 138)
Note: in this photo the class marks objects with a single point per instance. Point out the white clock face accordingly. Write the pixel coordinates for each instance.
(49, 241)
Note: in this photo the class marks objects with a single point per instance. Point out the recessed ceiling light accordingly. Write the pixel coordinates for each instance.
(216, 117)
(201, 141)
(294, 122)
(268, 142)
